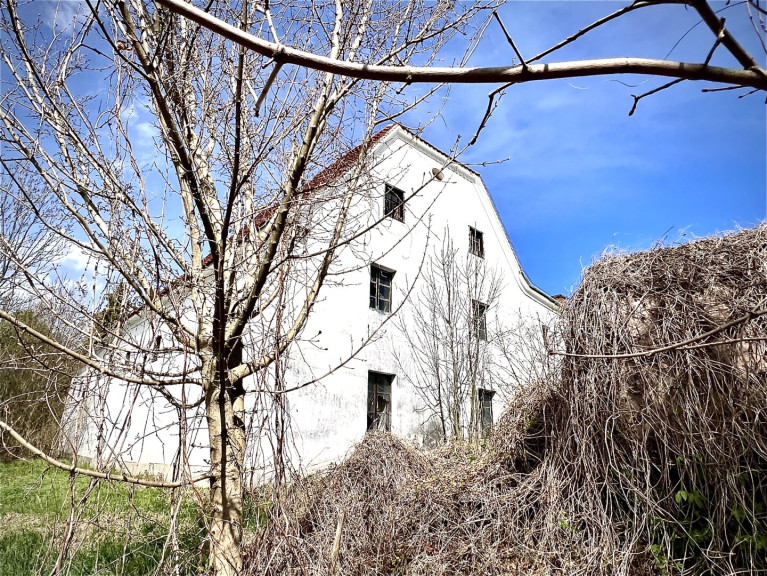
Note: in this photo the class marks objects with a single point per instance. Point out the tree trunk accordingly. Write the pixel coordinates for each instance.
(226, 431)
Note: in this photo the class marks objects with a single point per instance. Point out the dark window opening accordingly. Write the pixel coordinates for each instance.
(394, 203)
(476, 242)
(380, 288)
(156, 347)
(485, 401)
(379, 401)
(301, 233)
(479, 319)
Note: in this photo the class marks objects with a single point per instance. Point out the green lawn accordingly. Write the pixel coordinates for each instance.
(122, 530)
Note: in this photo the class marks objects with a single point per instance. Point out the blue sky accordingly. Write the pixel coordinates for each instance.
(583, 176)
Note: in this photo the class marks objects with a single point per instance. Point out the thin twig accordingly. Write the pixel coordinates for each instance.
(650, 93)
(491, 104)
(112, 476)
(510, 40)
(336, 542)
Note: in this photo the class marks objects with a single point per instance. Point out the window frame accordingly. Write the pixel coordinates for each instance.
(394, 203)
(377, 274)
(379, 388)
(485, 400)
(157, 343)
(479, 319)
(301, 234)
(476, 242)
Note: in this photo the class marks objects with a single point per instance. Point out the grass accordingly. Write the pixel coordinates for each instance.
(32, 487)
(122, 530)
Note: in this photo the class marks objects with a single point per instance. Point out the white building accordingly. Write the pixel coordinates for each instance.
(422, 201)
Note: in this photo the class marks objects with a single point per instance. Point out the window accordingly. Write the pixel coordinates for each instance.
(394, 203)
(156, 348)
(479, 319)
(545, 334)
(380, 288)
(301, 234)
(379, 401)
(485, 402)
(476, 242)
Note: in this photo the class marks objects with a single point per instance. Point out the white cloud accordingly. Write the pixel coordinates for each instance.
(76, 261)
(146, 131)
(63, 16)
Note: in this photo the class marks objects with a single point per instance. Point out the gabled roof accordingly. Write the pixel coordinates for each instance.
(340, 166)
(345, 162)
(327, 175)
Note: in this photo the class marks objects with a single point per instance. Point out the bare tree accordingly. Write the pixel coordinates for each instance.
(466, 343)
(185, 158)
(450, 328)
(188, 167)
(26, 247)
(34, 377)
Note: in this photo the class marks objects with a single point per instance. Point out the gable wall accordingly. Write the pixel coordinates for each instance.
(329, 416)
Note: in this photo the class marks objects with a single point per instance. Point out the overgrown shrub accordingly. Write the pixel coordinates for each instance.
(646, 455)
(34, 379)
(654, 443)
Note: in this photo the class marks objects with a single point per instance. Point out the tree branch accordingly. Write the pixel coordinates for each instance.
(755, 77)
(728, 40)
(86, 360)
(510, 40)
(118, 477)
(650, 93)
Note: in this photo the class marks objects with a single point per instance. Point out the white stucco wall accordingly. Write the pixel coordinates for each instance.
(330, 415)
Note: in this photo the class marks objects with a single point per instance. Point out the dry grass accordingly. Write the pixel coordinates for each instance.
(650, 463)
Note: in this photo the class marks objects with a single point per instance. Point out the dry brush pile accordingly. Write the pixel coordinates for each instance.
(400, 510)
(646, 455)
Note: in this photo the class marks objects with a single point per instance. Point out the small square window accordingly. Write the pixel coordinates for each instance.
(485, 404)
(479, 319)
(379, 401)
(301, 233)
(380, 288)
(476, 242)
(394, 203)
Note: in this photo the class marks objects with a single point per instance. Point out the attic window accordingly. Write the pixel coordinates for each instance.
(156, 347)
(476, 242)
(394, 203)
(301, 234)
